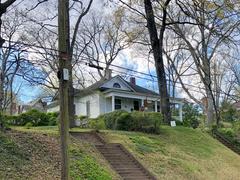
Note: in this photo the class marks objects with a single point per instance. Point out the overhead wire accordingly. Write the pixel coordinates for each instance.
(116, 66)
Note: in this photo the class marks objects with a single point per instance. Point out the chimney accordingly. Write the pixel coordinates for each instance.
(108, 74)
(133, 80)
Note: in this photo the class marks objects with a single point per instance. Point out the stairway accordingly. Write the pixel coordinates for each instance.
(225, 141)
(120, 159)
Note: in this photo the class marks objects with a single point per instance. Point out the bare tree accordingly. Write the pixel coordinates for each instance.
(12, 56)
(204, 30)
(105, 40)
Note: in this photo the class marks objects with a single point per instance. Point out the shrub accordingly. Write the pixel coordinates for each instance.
(28, 125)
(178, 123)
(236, 126)
(97, 124)
(123, 121)
(3, 122)
(82, 117)
(191, 115)
(111, 118)
(52, 118)
(229, 112)
(35, 117)
(148, 122)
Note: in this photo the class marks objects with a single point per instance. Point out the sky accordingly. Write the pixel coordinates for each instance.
(129, 58)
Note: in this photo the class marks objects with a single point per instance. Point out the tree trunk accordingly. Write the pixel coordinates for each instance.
(209, 108)
(1, 92)
(157, 47)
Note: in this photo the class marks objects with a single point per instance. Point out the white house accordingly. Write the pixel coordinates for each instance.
(113, 94)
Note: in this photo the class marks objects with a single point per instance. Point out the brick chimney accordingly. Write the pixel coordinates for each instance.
(133, 80)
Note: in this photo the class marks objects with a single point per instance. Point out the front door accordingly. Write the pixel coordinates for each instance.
(136, 105)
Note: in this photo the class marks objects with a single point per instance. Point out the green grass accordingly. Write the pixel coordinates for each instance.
(11, 155)
(176, 153)
(52, 130)
(180, 153)
(84, 166)
(23, 155)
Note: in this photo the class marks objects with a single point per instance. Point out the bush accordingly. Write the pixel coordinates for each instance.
(236, 126)
(228, 112)
(191, 115)
(178, 123)
(3, 123)
(110, 119)
(148, 122)
(82, 117)
(35, 117)
(28, 125)
(52, 118)
(97, 124)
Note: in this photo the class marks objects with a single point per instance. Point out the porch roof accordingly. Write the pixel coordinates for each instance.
(135, 95)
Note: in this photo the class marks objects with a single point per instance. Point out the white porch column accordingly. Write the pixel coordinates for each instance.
(180, 112)
(142, 102)
(155, 106)
(113, 102)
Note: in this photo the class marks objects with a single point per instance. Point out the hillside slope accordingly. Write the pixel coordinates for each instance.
(180, 153)
(177, 153)
(35, 154)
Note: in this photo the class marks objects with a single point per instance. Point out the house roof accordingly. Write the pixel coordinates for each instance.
(97, 86)
(140, 89)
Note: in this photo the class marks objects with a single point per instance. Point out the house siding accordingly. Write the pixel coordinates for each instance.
(108, 105)
(54, 109)
(102, 103)
(80, 105)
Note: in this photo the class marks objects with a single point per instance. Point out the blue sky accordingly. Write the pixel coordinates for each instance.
(27, 92)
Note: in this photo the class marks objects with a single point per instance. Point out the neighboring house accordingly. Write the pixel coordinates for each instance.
(113, 94)
(37, 104)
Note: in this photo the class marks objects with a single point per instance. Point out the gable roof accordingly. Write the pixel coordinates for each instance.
(98, 86)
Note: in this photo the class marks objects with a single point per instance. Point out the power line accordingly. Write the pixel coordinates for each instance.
(153, 76)
(52, 49)
(121, 67)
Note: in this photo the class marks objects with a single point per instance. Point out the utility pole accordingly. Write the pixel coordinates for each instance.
(63, 75)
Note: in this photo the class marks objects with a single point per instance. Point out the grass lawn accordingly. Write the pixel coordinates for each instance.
(176, 153)
(34, 153)
(180, 153)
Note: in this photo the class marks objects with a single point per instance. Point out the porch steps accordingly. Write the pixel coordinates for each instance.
(120, 159)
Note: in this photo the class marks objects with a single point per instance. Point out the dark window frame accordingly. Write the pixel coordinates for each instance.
(116, 85)
(118, 104)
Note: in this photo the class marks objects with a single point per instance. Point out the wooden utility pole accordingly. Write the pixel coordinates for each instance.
(63, 74)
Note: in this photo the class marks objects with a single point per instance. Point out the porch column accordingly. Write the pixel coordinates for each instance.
(180, 112)
(113, 103)
(155, 106)
(142, 102)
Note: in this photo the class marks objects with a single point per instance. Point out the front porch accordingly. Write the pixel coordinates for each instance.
(133, 102)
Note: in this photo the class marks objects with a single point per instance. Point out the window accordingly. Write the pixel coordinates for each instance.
(118, 104)
(116, 85)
